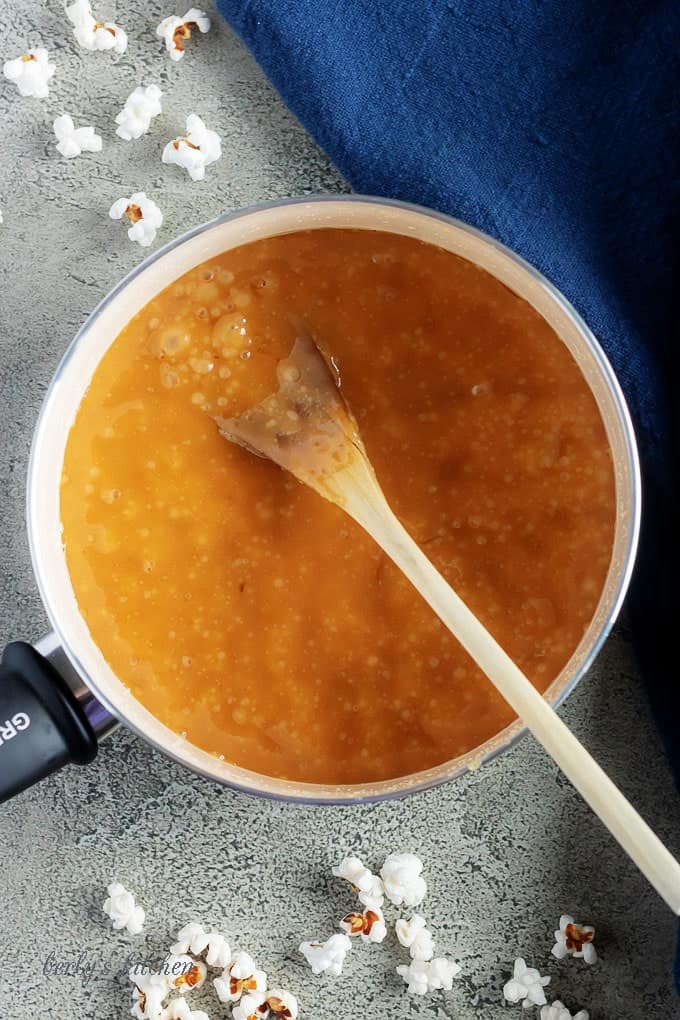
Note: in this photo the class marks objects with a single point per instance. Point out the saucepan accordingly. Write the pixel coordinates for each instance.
(60, 698)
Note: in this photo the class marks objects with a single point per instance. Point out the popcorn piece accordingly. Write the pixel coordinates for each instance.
(179, 1010)
(423, 976)
(402, 879)
(30, 73)
(122, 909)
(370, 925)
(558, 1011)
(195, 150)
(148, 994)
(175, 31)
(184, 972)
(143, 214)
(239, 977)
(141, 106)
(327, 956)
(368, 885)
(282, 1004)
(217, 951)
(190, 934)
(251, 1007)
(374, 895)
(72, 141)
(147, 1004)
(575, 940)
(92, 34)
(416, 937)
(211, 945)
(525, 985)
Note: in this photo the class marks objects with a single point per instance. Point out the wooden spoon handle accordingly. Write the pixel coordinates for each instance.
(369, 508)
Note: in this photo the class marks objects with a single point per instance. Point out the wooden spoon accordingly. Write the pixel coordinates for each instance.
(307, 428)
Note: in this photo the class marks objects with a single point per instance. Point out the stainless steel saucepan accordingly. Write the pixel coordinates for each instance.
(59, 698)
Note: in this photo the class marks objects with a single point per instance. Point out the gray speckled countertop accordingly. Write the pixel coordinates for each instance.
(507, 849)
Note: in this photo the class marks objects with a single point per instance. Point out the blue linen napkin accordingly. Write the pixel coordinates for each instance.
(549, 125)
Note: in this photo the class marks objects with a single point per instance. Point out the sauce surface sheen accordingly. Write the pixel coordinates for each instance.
(245, 611)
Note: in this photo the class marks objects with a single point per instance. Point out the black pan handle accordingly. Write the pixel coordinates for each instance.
(42, 724)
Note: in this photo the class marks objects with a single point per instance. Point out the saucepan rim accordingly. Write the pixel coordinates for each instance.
(628, 501)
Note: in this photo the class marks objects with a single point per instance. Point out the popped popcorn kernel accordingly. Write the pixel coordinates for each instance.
(423, 976)
(186, 936)
(72, 141)
(212, 946)
(30, 72)
(179, 1010)
(184, 972)
(370, 925)
(143, 214)
(403, 881)
(282, 1004)
(575, 940)
(415, 936)
(92, 34)
(241, 976)
(148, 993)
(558, 1011)
(251, 1007)
(368, 885)
(141, 106)
(526, 986)
(194, 151)
(175, 31)
(327, 956)
(121, 908)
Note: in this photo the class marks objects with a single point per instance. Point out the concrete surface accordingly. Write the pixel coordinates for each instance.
(506, 850)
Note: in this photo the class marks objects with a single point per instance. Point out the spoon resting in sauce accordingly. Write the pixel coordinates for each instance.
(308, 429)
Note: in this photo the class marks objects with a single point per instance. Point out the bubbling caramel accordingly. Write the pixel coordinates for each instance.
(255, 617)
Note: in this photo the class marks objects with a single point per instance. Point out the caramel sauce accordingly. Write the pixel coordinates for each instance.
(255, 617)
